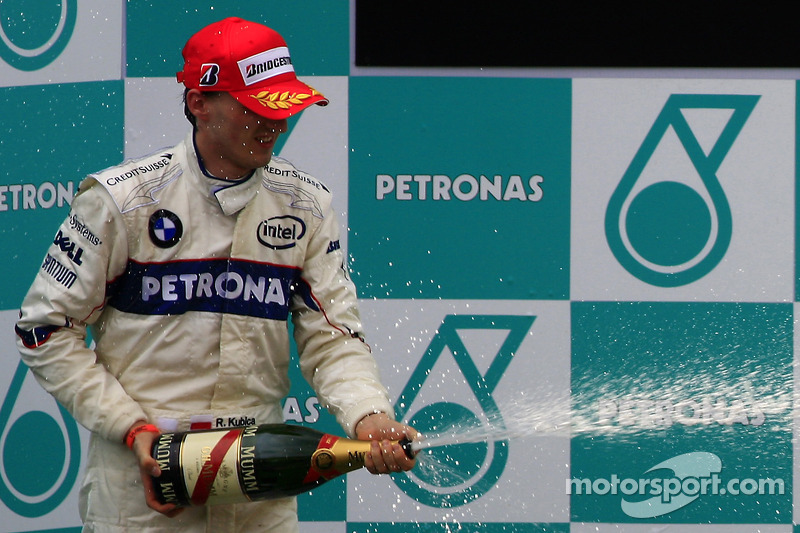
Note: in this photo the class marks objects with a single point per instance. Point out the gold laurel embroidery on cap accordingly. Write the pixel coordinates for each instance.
(281, 100)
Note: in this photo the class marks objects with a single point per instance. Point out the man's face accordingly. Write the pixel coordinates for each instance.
(233, 140)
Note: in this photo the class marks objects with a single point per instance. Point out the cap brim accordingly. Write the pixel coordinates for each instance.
(280, 100)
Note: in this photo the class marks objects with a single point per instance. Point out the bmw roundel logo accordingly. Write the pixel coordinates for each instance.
(165, 228)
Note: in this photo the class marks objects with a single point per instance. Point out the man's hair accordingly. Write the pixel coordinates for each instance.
(191, 118)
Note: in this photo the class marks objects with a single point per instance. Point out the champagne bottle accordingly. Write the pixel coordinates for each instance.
(262, 462)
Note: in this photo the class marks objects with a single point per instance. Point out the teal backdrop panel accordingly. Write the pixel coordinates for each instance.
(317, 32)
(301, 406)
(55, 135)
(37, 38)
(460, 187)
(682, 413)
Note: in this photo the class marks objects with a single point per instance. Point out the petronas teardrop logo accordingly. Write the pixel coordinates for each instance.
(40, 455)
(33, 34)
(461, 471)
(668, 222)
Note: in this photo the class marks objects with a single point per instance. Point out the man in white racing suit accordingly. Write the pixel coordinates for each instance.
(187, 265)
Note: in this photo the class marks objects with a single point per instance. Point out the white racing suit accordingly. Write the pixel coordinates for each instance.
(187, 283)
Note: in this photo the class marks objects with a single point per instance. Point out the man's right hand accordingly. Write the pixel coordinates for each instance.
(148, 466)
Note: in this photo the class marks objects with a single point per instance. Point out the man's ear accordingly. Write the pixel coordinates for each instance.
(197, 103)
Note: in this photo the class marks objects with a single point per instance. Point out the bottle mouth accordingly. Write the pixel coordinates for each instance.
(405, 443)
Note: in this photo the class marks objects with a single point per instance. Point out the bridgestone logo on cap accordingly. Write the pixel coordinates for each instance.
(265, 65)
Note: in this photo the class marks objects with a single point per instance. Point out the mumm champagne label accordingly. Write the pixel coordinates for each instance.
(200, 469)
(169, 486)
(210, 467)
(247, 461)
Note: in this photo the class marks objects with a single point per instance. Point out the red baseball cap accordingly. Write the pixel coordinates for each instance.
(252, 63)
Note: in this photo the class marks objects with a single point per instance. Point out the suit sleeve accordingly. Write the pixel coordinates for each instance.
(334, 357)
(88, 252)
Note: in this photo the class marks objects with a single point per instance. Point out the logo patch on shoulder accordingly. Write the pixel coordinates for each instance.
(165, 228)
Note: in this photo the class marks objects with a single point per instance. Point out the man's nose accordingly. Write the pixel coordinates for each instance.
(276, 126)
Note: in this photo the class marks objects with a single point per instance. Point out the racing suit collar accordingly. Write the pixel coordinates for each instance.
(232, 196)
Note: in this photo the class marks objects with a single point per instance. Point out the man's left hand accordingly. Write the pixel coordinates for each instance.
(386, 455)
